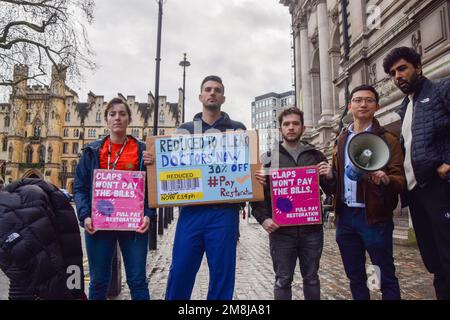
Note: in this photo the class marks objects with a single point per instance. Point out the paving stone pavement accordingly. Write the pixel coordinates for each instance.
(255, 277)
(254, 273)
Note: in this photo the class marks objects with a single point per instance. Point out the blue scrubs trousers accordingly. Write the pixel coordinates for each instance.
(200, 229)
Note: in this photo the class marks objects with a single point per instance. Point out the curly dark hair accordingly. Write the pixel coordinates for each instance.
(288, 111)
(409, 54)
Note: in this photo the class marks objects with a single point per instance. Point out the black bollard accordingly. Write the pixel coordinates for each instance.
(115, 285)
(166, 217)
(152, 243)
(161, 221)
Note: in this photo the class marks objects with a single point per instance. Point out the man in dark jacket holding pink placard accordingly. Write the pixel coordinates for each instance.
(289, 243)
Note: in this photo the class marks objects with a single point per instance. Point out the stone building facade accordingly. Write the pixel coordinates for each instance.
(340, 44)
(265, 111)
(43, 128)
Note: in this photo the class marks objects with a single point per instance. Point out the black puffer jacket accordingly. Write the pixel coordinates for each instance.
(40, 244)
(430, 128)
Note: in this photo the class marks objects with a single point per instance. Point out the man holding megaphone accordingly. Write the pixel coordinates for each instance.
(367, 171)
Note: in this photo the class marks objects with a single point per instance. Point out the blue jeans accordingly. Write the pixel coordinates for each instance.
(354, 237)
(100, 249)
(200, 229)
(285, 249)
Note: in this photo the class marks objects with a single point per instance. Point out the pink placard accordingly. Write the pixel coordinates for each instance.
(118, 199)
(295, 196)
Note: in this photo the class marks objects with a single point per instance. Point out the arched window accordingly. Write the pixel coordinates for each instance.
(74, 165)
(6, 122)
(75, 148)
(37, 131)
(4, 144)
(41, 154)
(49, 154)
(29, 154)
(75, 133)
(28, 117)
(161, 117)
(10, 153)
(66, 132)
(67, 116)
(98, 118)
(64, 166)
(135, 133)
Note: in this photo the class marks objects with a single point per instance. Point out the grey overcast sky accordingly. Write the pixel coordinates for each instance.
(246, 42)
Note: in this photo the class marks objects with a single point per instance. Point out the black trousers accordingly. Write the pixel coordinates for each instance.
(285, 249)
(430, 213)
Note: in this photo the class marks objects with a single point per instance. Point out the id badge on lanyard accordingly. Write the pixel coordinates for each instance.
(114, 164)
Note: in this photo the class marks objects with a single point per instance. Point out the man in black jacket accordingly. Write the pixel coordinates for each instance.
(425, 114)
(289, 243)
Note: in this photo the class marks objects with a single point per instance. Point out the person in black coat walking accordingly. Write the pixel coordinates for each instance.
(40, 243)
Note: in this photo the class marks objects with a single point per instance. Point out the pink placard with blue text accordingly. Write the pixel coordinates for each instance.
(295, 196)
(118, 199)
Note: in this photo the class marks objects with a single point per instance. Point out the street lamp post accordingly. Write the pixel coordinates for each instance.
(184, 63)
(158, 60)
(152, 244)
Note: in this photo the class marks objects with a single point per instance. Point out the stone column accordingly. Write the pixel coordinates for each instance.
(335, 55)
(357, 10)
(325, 69)
(298, 69)
(305, 66)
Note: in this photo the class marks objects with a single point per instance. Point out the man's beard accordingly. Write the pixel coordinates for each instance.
(292, 139)
(410, 86)
(212, 107)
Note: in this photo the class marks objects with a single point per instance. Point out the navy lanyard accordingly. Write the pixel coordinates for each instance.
(118, 155)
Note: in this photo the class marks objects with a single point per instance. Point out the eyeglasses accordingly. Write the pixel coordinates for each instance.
(367, 100)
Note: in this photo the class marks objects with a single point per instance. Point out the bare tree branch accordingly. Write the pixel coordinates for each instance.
(44, 34)
(30, 25)
(42, 3)
(13, 83)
